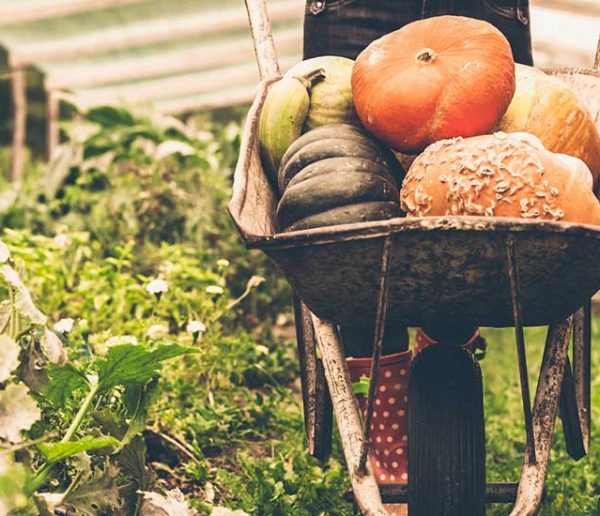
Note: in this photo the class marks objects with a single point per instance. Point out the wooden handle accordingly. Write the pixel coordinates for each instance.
(597, 60)
(264, 47)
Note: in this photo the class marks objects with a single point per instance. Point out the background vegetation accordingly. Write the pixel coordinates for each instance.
(154, 364)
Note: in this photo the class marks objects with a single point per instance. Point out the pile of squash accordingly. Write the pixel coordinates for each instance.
(482, 135)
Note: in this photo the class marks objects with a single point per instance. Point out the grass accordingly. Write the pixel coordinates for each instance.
(572, 488)
(262, 466)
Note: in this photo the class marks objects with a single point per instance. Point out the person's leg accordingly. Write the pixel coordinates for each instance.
(511, 17)
(346, 27)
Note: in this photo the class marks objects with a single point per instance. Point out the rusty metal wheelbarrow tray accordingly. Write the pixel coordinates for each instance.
(441, 267)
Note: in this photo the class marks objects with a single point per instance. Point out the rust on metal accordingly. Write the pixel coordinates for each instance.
(386, 256)
(347, 415)
(545, 408)
(582, 367)
(315, 395)
(513, 275)
(575, 391)
(495, 492)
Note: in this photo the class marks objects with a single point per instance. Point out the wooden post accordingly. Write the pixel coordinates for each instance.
(264, 47)
(19, 102)
(52, 118)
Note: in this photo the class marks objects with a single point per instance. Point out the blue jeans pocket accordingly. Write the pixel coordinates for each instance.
(509, 9)
(319, 6)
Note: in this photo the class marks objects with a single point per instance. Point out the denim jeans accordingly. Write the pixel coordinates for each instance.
(346, 27)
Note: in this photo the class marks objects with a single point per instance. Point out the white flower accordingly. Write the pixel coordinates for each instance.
(120, 339)
(64, 325)
(157, 331)
(214, 289)
(9, 357)
(61, 240)
(222, 263)
(157, 287)
(196, 327)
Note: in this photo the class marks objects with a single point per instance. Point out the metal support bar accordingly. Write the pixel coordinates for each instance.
(347, 415)
(377, 346)
(569, 414)
(495, 492)
(582, 367)
(513, 276)
(316, 401)
(19, 103)
(533, 475)
(575, 391)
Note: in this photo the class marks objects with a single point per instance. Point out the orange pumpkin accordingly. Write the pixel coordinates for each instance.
(436, 78)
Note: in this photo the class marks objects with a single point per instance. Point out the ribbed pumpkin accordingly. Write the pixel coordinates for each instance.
(432, 79)
(337, 174)
(546, 107)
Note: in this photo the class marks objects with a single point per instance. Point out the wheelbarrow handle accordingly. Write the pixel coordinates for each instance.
(264, 47)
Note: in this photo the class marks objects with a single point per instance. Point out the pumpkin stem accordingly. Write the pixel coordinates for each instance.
(312, 78)
(426, 55)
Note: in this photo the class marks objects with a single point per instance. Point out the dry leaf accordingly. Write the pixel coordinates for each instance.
(18, 412)
(53, 347)
(9, 357)
(173, 503)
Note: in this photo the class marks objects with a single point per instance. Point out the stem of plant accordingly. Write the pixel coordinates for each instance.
(13, 314)
(45, 470)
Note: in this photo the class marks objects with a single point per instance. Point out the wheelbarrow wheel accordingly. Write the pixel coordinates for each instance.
(446, 440)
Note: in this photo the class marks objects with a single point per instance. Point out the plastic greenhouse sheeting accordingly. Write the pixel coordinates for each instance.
(180, 55)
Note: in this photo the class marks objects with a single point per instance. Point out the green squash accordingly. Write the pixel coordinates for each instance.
(352, 213)
(330, 99)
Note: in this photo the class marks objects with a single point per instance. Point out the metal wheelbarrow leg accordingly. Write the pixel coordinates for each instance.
(545, 409)
(315, 394)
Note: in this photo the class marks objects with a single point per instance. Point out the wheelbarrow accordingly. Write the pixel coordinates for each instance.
(489, 271)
